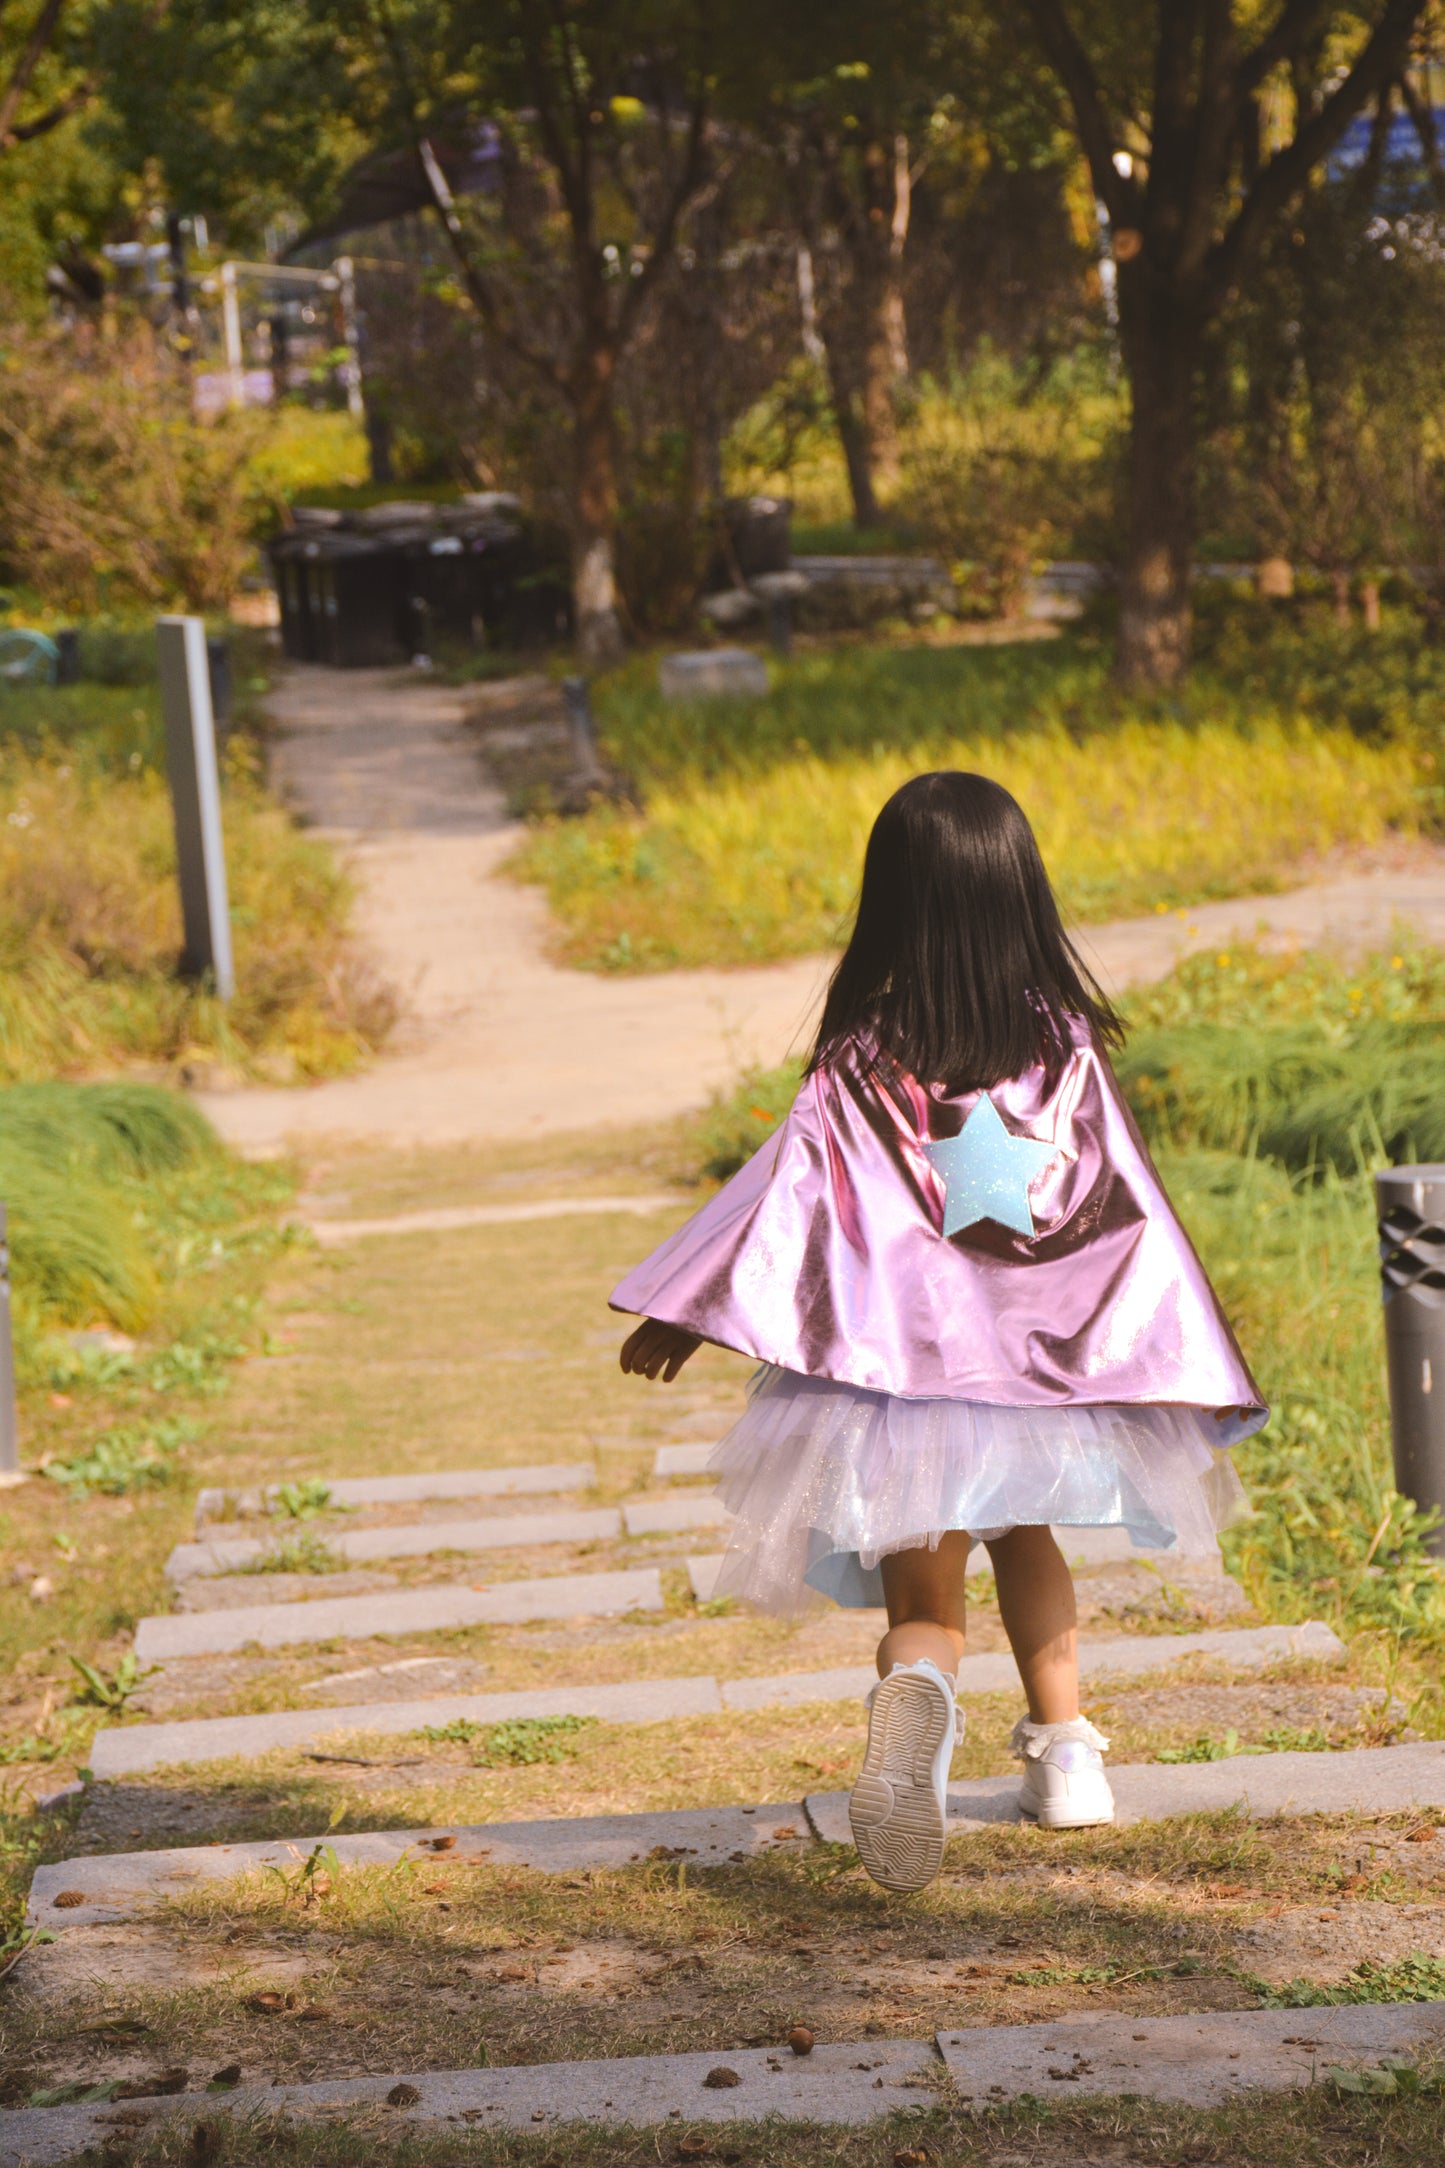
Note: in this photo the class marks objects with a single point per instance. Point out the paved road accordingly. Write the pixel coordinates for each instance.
(501, 1043)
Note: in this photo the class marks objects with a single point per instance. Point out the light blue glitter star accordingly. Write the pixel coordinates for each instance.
(987, 1170)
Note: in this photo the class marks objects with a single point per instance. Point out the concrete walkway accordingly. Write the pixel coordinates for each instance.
(500, 1042)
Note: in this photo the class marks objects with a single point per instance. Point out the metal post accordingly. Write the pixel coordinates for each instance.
(231, 333)
(195, 799)
(351, 371)
(1410, 1202)
(588, 770)
(9, 1439)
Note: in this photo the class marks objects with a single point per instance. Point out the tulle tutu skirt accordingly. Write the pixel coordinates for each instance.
(825, 1479)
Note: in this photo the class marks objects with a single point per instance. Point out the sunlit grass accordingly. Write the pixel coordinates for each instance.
(756, 813)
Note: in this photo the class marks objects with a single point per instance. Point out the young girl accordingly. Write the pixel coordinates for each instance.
(976, 1312)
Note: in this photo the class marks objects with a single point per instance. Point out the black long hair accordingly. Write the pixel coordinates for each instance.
(959, 969)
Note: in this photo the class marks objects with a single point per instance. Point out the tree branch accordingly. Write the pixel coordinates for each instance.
(479, 288)
(1381, 62)
(26, 131)
(681, 192)
(42, 31)
(1066, 55)
(1297, 22)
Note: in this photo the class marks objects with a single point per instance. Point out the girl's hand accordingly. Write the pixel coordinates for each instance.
(656, 1347)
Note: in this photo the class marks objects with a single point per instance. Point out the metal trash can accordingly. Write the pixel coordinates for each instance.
(1410, 1203)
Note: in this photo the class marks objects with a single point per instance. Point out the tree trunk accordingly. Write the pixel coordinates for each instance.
(850, 410)
(594, 511)
(1160, 347)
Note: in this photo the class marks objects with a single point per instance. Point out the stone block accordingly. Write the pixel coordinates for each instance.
(407, 1611)
(189, 1561)
(119, 1886)
(713, 673)
(395, 1490)
(846, 2083)
(130, 1749)
(1195, 2062)
(682, 1459)
(667, 1516)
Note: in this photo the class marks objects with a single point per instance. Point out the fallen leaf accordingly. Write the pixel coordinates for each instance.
(222, 2080)
(720, 2076)
(205, 2145)
(42, 1588)
(439, 1844)
(512, 1972)
(269, 2002)
(800, 2040)
(126, 2119)
(403, 2096)
(435, 1889)
(694, 2147)
(164, 2081)
(787, 1830)
(66, 1900)
(316, 2013)
(1423, 1834)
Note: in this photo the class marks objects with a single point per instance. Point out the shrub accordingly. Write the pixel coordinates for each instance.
(109, 486)
(1003, 465)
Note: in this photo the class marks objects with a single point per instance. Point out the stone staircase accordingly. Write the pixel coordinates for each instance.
(451, 1528)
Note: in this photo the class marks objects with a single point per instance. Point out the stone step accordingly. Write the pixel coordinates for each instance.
(681, 1510)
(129, 1749)
(121, 1885)
(398, 1611)
(393, 1490)
(859, 2082)
(441, 1219)
(682, 1459)
(1378, 1780)
(1197, 2061)
(193, 1561)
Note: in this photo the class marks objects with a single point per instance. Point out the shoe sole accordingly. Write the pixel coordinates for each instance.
(893, 1809)
(1047, 1818)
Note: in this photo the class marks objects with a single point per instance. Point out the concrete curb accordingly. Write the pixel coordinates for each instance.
(406, 1611)
(443, 1218)
(118, 1885)
(418, 1539)
(1371, 1779)
(1379, 1780)
(398, 1490)
(1193, 2061)
(129, 1749)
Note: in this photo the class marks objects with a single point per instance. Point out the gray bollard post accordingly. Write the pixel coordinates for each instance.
(1410, 1203)
(9, 1436)
(195, 799)
(588, 770)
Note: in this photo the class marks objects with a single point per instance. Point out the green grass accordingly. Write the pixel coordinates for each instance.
(755, 812)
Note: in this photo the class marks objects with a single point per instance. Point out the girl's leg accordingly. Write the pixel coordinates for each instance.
(1036, 1604)
(924, 1593)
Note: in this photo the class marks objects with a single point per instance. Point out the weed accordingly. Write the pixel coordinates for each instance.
(1205, 1749)
(303, 1552)
(1391, 2076)
(127, 1458)
(111, 1690)
(300, 1501)
(519, 1743)
(1402, 1979)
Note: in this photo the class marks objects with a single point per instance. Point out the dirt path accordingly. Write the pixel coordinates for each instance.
(499, 1041)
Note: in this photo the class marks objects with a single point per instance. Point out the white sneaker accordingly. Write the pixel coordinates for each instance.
(1064, 1784)
(899, 1806)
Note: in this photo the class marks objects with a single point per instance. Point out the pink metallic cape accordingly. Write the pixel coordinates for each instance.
(825, 1255)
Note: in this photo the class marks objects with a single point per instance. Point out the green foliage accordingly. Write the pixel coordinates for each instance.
(518, 1743)
(1391, 2077)
(74, 1163)
(303, 1552)
(90, 918)
(756, 812)
(301, 1501)
(111, 1689)
(1403, 1979)
(130, 1457)
(1007, 465)
(738, 1122)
